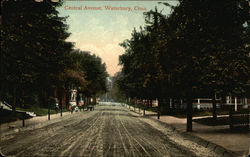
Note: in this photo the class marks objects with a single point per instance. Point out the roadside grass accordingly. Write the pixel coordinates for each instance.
(240, 119)
(199, 113)
(152, 109)
(224, 121)
(182, 113)
(41, 111)
(7, 116)
(209, 121)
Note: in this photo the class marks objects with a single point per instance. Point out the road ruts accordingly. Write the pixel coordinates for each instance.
(109, 130)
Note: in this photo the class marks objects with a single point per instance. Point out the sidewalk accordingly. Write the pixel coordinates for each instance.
(38, 121)
(219, 135)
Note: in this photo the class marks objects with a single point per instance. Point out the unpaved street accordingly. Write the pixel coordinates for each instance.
(109, 130)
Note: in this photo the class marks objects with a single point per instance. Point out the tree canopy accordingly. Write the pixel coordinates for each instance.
(36, 58)
(199, 50)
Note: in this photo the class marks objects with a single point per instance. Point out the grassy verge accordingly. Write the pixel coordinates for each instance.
(182, 113)
(152, 109)
(199, 113)
(8, 116)
(41, 111)
(224, 121)
(210, 121)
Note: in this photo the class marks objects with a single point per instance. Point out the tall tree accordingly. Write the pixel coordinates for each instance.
(94, 73)
(34, 47)
(198, 50)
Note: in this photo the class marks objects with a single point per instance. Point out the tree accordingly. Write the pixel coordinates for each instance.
(92, 70)
(203, 39)
(34, 47)
(194, 52)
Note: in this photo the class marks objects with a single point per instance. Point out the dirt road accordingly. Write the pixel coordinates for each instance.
(109, 130)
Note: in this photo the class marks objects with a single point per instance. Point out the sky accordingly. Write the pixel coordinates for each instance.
(101, 31)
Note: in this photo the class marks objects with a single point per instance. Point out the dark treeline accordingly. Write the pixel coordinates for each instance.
(200, 50)
(36, 60)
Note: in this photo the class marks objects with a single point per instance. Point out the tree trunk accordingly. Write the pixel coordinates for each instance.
(168, 105)
(43, 98)
(50, 92)
(164, 106)
(63, 97)
(67, 96)
(55, 92)
(94, 100)
(21, 97)
(85, 100)
(214, 108)
(88, 100)
(173, 105)
(60, 95)
(189, 113)
(167, 108)
(61, 106)
(14, 100)
(159, 108)
(82, 97)
(49, 112)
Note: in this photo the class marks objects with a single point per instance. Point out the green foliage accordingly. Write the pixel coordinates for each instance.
(115, 92)
(198, 50)
(89, 74)
(28, 54)
(41, 111)
(36, 59)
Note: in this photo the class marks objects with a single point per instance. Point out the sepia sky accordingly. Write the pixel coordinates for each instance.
(101, 31)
